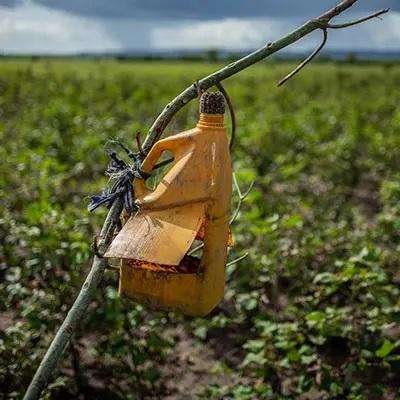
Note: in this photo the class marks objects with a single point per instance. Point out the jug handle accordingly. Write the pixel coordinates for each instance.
(150, 160)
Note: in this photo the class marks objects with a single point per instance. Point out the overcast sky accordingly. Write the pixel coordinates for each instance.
(55, 26)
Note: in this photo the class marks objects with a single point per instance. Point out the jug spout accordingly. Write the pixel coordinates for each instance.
(212, 121)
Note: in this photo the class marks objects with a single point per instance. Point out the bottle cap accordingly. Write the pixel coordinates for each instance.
(212, 103)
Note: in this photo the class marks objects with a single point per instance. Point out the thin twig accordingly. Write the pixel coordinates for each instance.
(195, 249)
(118, 142)
(242, 197)
(236, 260)
(231, 112)
(358, 21)
(307, 60)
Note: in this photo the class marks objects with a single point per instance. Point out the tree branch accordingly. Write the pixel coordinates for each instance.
(191, 92)
(49, 363)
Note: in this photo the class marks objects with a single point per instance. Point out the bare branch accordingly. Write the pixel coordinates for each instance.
(191, 92)
(358, 21)
(307, 60)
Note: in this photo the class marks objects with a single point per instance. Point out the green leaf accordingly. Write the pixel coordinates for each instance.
(254, 358)
(385, 349)
(293, 221)
(201, 332)
(316, 316)
(325, 277)
(152, 374)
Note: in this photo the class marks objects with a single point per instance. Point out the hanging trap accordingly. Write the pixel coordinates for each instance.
(191, 202)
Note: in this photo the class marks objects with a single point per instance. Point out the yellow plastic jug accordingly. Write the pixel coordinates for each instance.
(192, 201)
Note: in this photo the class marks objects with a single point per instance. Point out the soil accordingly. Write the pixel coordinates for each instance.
(191, 368)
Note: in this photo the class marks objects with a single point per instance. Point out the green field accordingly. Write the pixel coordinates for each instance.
(312, 313)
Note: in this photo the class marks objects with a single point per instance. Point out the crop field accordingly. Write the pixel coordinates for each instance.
(313, 312)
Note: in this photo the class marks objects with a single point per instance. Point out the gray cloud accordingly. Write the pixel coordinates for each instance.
(200, 10)
(9, 3)
(29, 27)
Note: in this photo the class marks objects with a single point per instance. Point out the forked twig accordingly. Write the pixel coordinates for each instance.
(242, 197)
(324, 25)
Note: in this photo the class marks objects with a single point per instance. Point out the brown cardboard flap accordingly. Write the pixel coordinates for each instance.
(161, 237)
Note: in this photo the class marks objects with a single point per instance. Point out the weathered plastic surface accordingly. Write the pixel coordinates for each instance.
(196, 189)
